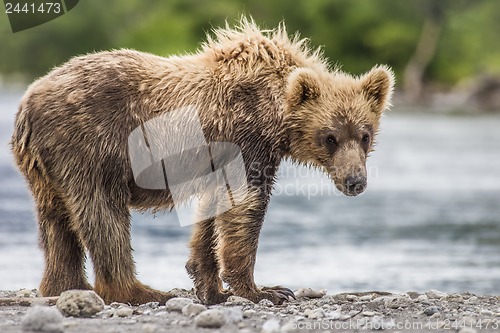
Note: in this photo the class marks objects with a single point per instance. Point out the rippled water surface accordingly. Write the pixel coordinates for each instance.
(429, 219)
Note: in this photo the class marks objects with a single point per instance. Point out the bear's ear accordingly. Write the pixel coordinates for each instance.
(377, 86)
(302, 86)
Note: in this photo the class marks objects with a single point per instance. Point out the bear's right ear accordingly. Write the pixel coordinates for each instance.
(302, 86)
(378, 86)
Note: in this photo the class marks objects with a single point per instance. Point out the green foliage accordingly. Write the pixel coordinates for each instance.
(353, 33)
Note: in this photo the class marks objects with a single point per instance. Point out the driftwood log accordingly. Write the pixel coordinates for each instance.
(28, 301)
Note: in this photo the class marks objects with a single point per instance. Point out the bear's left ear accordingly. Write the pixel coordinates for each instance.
(377, 85)
(302, 86)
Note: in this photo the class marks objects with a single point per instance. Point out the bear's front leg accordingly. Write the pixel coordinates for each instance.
(238, 233)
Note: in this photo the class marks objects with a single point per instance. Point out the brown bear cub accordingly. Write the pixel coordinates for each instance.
(260, 90)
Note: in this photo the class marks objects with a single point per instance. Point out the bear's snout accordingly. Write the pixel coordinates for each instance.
(354, 185)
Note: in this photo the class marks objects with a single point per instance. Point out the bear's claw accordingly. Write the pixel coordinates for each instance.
(281, 291)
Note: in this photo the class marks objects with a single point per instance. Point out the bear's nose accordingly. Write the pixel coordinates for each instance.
(355, 184)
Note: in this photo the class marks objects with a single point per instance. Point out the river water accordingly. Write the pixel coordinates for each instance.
(430, 218)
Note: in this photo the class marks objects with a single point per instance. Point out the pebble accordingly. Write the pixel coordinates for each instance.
(430, 310)
(238, 300)
(183, 323)
(79, 303)
(193, 309)
(43, 319)
(412, 294)
(423, 299)
(351, 298)
(382, 299)
(486, 312)
(368, 313)
(337, 315)
(116, 305)
(213, 318)
(289, 327)
(26, 293)
(233, 314)
(435, 294)
(266, 303)
(454, 298)
(314, 314)
(398, 302)
(249, 313)
(472, 300)
(150, 305)
(123, 312)
(246, 330)
(271, 326)
(366, 298)
(178, 292)
(309, 292)
(161, 313)
(106, 313)
(177, 303)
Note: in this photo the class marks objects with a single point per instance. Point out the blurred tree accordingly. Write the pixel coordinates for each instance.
(434, 17)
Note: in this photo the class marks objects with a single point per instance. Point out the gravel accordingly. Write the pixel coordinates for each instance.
(426, 312)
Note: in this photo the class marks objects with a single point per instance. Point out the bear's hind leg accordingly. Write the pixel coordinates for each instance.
(105, 228)
(63, 250)
(203, 267)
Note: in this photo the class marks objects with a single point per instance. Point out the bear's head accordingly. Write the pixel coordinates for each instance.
(333, 119)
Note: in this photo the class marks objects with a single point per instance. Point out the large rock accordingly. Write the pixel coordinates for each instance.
(79, 303)
(43, 319)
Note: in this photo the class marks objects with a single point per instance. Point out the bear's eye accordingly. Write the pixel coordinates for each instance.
(331, 140)
(365, 139)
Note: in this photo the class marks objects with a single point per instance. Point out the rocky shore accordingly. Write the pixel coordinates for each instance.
(313, 311)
